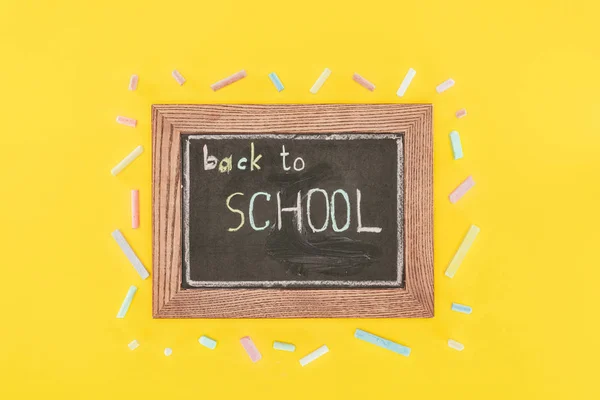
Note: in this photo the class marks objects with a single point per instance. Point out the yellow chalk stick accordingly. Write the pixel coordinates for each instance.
(462, 251)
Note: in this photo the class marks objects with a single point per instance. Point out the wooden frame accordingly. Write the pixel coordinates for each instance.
(414, 121)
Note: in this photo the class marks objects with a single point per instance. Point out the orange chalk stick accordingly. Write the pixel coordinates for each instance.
(228, 81)
(363, 82)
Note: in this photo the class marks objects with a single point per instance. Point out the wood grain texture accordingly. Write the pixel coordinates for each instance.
(413, 120)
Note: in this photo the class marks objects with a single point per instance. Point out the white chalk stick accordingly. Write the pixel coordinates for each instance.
(442, 87)
(455, 345)
(320, 81)
(133, 345)
(127, 160)
(168, 351)
(314, 355)
(133, 82)
(129, 253)
(126, 302)
(406, 82)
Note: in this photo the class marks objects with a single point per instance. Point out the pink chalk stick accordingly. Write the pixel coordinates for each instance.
(133, 81)
(178, 77)
(127, 121)
(462, 189)
(447, 84)
(135, 209)
(250, 348)
(363, 82)
(461, 113)
(228, 81)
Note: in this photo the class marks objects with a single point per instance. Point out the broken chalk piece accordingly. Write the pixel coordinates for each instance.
(406, 82)
(284, 346)
(442, 87)
(178, 77)
(126, 302)
(461, 113)
(276, 81)
(456, 145)
(133, 259)
(133, 345)
(228, 81)
(462, 251)
(168, 351)
(462, 189)
(135, 209)
(314, 355)
(250, 348)
(363, 82)
(455, 345)
(381, 342)
(127, 121)
(461, 308)
(127, 160)
(207, 342)
(133, 82)
(320, 81)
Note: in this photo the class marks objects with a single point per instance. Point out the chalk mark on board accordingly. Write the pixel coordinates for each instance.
(326, 254)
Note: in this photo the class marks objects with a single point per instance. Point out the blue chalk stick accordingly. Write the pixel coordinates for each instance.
(381, 342)
(284, 346)
(126, 302)
(207, 342)
(275, 79)
(456, 145)
(461, 308)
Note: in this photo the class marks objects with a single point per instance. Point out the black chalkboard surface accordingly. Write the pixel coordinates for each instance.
(295, 211)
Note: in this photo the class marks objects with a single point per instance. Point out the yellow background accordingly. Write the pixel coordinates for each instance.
(528, 74)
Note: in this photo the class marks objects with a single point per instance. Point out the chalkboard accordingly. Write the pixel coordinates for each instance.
(297, 211)
(228, 243)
